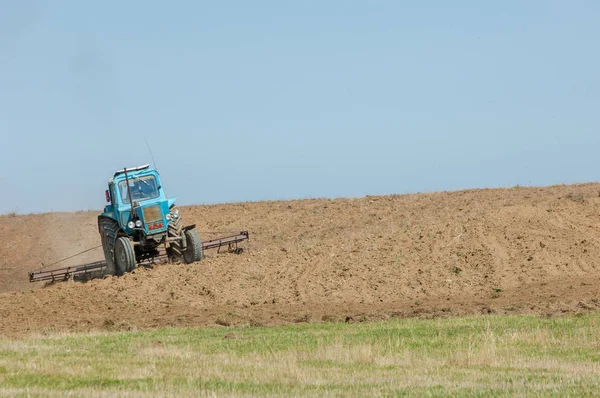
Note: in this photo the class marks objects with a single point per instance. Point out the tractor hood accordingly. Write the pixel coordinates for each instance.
(153, 215)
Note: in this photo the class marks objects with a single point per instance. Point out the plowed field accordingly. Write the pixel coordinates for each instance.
(518, 250)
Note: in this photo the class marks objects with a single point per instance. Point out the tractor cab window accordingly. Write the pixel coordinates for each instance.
(113, 197)
(142, 188)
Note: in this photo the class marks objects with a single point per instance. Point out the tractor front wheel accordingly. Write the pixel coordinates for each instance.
(124, 256)
(175, 249)
(193, 250)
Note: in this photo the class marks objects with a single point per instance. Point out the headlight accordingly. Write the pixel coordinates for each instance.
(138, 224)
(131, 225)
(168, 217)
(176, 213)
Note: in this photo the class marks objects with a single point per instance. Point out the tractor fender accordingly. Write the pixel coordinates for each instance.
(188, 227)
(171, 202)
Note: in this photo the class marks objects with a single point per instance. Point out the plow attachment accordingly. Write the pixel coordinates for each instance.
(66, 273)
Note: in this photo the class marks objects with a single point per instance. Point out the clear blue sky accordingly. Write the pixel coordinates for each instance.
(246, 101)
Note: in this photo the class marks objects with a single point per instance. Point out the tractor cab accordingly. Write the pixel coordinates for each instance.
(138, 202)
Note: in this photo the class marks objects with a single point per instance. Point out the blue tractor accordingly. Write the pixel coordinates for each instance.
(139, 221)
(138, 225)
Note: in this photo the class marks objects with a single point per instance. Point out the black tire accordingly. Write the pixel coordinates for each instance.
(175, 250)
(193, 250)
(109, 230)
(124, 256)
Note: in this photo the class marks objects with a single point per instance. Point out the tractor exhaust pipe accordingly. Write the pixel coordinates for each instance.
(128, 191)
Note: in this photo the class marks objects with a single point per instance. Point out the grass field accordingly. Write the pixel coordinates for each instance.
(480, 356)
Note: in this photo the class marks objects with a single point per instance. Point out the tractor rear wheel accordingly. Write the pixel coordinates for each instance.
(193, 250)
(124, 256)
(109, 230)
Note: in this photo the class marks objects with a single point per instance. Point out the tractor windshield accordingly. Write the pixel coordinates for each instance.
(142, 188)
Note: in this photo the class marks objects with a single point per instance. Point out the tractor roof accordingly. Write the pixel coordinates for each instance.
(131, 169)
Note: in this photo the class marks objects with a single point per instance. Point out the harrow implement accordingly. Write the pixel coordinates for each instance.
(63, 274)
(83, 270)
(230, 241)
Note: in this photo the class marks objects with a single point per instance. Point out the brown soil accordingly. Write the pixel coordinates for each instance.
(519, 250)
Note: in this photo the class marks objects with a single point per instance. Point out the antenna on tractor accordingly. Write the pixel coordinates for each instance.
(151, 155)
